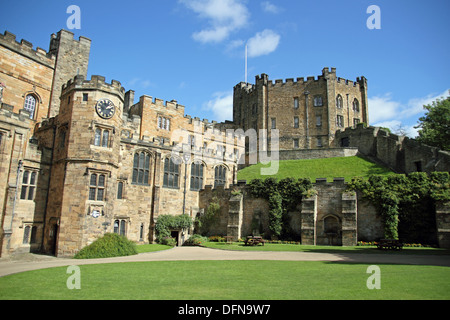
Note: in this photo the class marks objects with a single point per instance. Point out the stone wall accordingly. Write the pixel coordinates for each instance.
(317, 153)
(330, 217)
(400, 153)
(22, 198)
(443, 224)
(24, 71)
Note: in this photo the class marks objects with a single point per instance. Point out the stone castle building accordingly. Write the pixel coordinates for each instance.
(312, 110)
(80, 158)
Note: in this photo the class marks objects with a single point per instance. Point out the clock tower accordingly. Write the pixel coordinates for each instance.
(87, 160)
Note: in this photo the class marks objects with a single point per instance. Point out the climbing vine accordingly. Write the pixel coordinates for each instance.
(399, 197)
(204, 223)
(166, 222)
(282, 196)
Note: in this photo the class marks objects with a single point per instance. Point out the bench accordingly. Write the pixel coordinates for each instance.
(390, 244)
(253, 241)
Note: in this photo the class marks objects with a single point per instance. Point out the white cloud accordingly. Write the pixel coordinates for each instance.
(397, 127)
(212, 35)
(384, 108)
(223, 16)
(263, 43)
(269, 7)
(235, 44)
(385, 112)
(221, 106)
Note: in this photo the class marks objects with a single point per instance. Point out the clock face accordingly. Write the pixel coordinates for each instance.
(105, 108)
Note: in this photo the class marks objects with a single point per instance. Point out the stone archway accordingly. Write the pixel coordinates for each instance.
(331, 229)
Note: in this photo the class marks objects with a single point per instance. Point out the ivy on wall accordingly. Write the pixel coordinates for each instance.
(205, 222)
(283, 196)
(167, 222)
(405, 197)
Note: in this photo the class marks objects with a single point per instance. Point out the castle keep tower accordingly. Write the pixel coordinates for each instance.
(307, 113)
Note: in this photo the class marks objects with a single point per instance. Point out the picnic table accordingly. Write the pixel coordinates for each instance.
(253, 241)
(390, 244)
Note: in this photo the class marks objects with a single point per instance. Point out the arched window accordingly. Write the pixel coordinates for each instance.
(220, 176)
(30, 104)
(171, 174)
(339, 102)
(197, 176)
(141, 168)
(141, 232)
(356, 105)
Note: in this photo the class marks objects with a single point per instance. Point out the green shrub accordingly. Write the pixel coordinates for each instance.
(110, 245)
(168, 241)
(195, 240)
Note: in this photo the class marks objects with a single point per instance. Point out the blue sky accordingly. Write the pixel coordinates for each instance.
(192, 51)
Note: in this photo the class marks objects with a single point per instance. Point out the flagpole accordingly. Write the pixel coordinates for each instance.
(245, 63)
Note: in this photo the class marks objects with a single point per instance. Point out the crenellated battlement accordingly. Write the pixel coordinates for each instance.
(25, 48)
(358, 83)
(96, 82)
(67, 37)
(327, 74)
(172, 104)
(335, 181)
(22, 117)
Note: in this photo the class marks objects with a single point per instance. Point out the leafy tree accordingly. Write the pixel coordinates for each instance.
(435, 125)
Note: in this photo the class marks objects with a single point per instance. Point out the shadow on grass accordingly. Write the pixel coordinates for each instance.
(328, 249)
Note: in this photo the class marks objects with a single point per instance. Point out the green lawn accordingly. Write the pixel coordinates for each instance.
(151, 247)
(346, 167)
(324, 249)
(230, 280)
